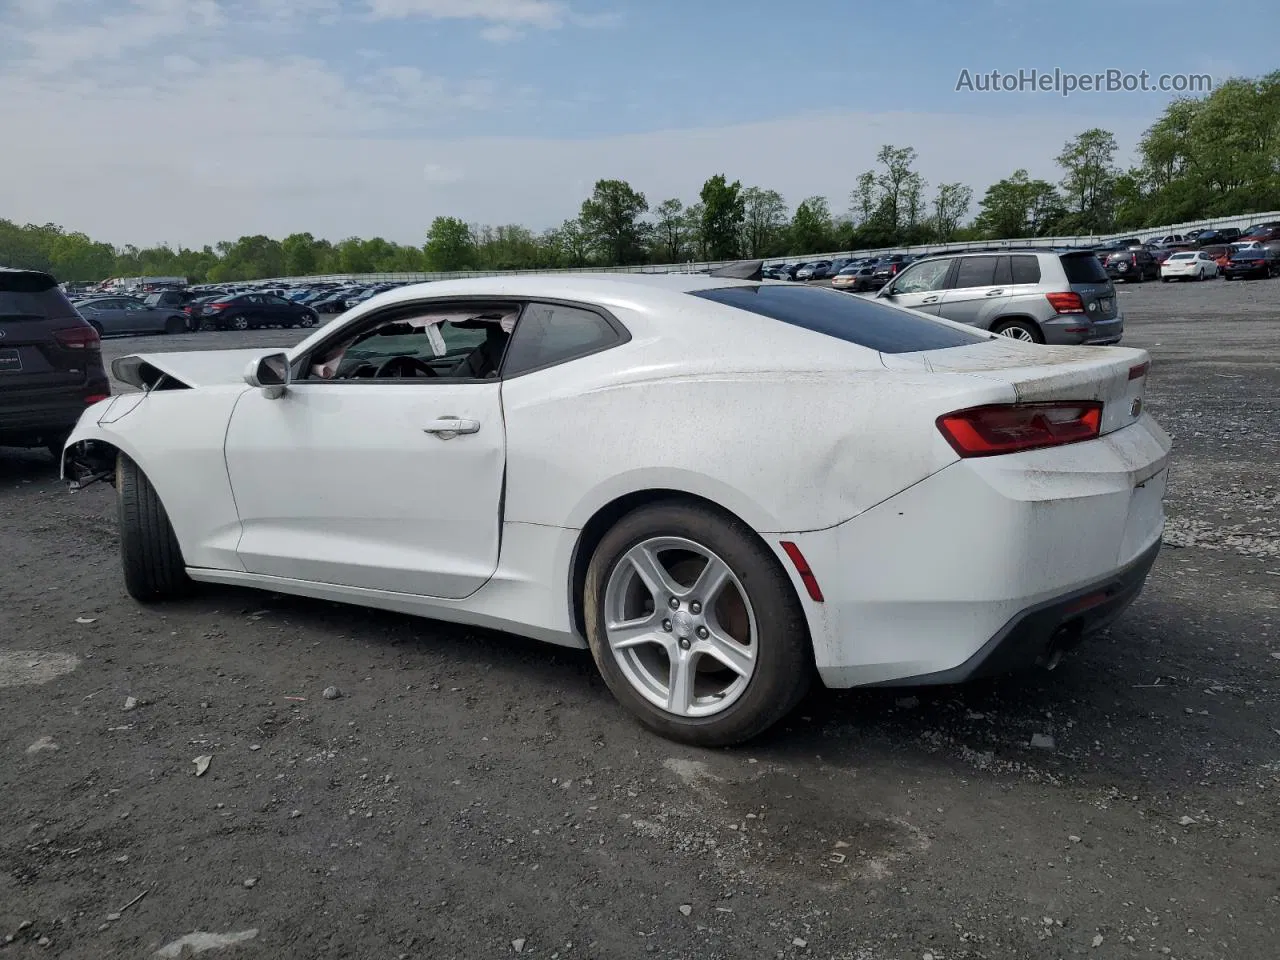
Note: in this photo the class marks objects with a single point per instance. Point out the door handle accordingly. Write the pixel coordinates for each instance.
(446, 428)
(930, 300)
(994, 293)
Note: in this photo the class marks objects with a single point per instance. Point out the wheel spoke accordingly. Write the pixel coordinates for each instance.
(680, 683)
(720, 646)
(654, 574)
(635, 633)
(711, 581)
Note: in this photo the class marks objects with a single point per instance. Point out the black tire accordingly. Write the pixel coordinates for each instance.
(784, 658)
(1023, 325)
(149, 552)
(1164, 279)
(239, 322)
(175, 325)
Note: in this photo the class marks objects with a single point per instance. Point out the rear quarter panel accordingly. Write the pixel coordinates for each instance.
(783, 451)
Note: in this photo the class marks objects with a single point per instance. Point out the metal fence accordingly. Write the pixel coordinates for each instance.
(1214, 223)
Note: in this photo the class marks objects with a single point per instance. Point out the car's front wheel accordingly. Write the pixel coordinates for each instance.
(695, 626)
(149, 550)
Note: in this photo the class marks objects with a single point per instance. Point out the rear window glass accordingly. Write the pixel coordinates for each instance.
(1083, 268)
(1026, 269)
(876, 326)
(975, 272)
(32, 295)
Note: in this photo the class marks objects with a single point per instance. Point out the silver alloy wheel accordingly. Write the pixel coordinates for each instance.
(1018, 333)
(240, 322)
(680, 626)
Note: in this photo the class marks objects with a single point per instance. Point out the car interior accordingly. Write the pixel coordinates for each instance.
(449, 342)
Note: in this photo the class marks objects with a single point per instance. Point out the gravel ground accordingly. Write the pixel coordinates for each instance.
(469, 794)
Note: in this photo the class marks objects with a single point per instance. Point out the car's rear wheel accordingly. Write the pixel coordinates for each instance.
(240, 322)
(149, 550)
(1018, 330)
(695, 626)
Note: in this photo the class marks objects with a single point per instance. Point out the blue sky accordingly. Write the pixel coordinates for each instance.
(196, 120)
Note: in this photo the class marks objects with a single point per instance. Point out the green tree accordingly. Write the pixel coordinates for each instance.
(897, 184)
(449, 246)
(611, 219)
(764, 221)
(950, 205)
(300, 255)
(865, 199)
(1088, 186)
(693, 220)
(573, 244)
(670, 231)
(1018, 206)
(811, 228)
(723, 212)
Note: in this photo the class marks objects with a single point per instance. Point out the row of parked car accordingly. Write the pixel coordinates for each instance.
(1227, 252)
(175, 309)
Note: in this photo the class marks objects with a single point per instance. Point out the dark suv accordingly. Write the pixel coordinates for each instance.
(1133, 265)
(50, 362)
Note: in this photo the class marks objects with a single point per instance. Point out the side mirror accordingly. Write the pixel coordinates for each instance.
(271, 373)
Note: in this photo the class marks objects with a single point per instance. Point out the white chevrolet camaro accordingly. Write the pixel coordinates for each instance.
(722, 487)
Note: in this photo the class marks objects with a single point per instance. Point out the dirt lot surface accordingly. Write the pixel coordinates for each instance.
(474, 795)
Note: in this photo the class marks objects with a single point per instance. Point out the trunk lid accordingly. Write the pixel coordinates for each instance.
(1036, 373)
(1087, 277)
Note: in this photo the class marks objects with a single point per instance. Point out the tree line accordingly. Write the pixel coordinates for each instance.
(1215, 155)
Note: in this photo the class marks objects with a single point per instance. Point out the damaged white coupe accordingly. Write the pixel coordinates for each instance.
(725, 488)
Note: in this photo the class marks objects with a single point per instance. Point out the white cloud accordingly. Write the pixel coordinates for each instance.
(53, 45)
(501, 33)
(258, 147)
(241, 144)
(546, 14)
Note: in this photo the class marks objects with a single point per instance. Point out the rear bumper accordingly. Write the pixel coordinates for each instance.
(1077, 329)
(977, 567)
(36, 421)
(1040, 635)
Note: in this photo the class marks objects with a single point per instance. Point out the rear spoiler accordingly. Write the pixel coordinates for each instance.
(743, 270)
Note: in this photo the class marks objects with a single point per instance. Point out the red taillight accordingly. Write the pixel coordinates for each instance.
(993, 430)
(78, 338)
(92, 398)
(802, 567)
(1065, 302)
(219, 306)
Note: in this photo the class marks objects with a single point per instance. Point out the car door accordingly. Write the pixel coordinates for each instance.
(919, 287)
(277, 310)
(143, 319)
(380, 484)
(112, 316)
(975, 294)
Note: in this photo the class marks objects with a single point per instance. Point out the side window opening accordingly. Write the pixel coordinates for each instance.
(450, 342)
